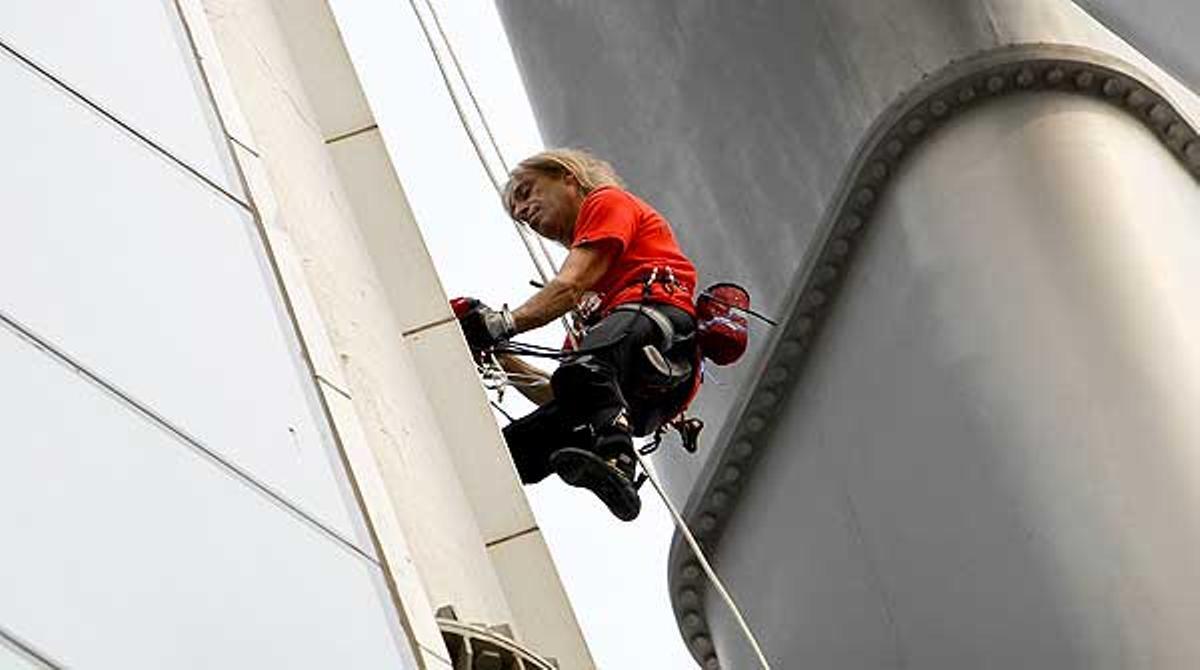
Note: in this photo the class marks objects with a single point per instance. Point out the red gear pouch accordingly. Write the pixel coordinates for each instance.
(721, 325)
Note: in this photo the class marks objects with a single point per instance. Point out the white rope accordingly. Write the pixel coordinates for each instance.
(487, 129)
(524, 233)
(497, 183)
(704, 564)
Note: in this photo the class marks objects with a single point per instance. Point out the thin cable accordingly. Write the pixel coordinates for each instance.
(704, 564)
(437, 21)
(462, 116)
(522, 231)
(682, 525)
(487, 128)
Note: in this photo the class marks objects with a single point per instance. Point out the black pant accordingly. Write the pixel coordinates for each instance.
(592, 388)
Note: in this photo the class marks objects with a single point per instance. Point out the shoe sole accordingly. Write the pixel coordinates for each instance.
(586, 470)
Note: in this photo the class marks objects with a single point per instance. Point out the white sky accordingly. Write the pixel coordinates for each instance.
(614, 573)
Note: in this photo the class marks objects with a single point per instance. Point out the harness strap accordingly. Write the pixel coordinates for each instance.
(661, 320)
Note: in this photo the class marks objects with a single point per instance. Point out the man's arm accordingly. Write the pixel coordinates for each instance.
(585, 265)
(534, 383)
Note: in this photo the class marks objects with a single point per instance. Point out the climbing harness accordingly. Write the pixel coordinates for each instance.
(689, 426)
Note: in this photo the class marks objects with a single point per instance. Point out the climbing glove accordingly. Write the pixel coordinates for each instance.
(483, 326)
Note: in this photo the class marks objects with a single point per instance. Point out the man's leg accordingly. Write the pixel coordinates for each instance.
(534, 437)
(590, 385)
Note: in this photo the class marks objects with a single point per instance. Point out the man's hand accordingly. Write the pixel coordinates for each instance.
(483, 326)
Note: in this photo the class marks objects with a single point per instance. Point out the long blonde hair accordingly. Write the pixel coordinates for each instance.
(589, 171)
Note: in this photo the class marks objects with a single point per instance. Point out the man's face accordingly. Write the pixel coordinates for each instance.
(549, 204)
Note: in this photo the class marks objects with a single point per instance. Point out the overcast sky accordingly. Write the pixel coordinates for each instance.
(614, 573)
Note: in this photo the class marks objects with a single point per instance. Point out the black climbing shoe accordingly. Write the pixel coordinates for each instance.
(610, 479)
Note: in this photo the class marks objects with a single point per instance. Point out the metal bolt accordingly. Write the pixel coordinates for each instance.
(1084, 79)
(1192, 151)
(689, 597)
(995, 83)
(756, 423)
(791, 348)
(1055, 76)
(839, 248)
(811, 300)
(825, 274)
(864, 197)
(1160, 113)
(1025, 78)
(742, 449)
(776, 375)
(1112, 87)
(939, 108)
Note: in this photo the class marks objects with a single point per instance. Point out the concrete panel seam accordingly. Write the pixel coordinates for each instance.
(7, 638)
(957, 88)
(121, 124)
(511, 536)
(242, 144)
(352, 133)
(332, 387)
(190, 441)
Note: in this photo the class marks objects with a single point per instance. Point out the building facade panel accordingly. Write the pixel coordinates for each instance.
(132, 59)
(159, 283)
(173, 495)
(127, 547)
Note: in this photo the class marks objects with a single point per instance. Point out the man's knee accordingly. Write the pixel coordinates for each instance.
(582, 378)
(532, 465)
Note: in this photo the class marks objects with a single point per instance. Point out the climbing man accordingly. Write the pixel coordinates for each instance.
(633, 290)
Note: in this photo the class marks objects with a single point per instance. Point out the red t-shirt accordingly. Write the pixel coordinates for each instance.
(643, 241)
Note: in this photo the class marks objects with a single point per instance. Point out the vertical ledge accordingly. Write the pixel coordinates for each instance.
(405, 588)
(404, 580)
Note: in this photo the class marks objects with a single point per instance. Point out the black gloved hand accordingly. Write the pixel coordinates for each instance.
(483, 326)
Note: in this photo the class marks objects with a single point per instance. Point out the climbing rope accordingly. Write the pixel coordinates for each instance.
(490, 369)
(523, 231)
